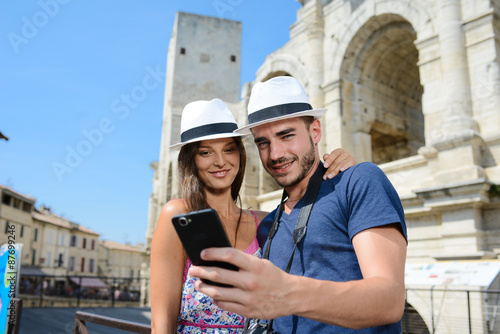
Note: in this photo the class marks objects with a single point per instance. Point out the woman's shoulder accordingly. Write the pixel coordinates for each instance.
(259, 215)
(174, 207)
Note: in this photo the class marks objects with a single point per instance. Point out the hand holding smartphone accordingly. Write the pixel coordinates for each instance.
(202, 229)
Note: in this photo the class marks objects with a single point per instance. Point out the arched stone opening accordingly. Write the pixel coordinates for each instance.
(276, 74)
(412, 322)
(381, 88)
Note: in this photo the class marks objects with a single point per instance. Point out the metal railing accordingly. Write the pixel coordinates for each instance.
(130, 326)
(438, 310)
(432, 310)
(70, 291)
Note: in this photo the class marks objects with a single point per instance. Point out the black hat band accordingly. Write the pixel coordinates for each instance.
(207, 130)
(277, 111)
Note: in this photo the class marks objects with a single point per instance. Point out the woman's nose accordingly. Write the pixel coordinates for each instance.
(219, 160)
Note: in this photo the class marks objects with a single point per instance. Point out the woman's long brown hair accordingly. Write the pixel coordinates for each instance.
(193, 190)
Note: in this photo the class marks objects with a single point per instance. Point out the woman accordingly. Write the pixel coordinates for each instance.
(211, 166)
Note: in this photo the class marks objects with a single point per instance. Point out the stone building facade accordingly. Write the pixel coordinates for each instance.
(123, 262)
(413, 86)
(16, 223)
(58, 253)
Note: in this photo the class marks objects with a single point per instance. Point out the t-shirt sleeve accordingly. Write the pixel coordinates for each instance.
(372, 200)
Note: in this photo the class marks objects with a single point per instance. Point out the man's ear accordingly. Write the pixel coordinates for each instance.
(315, 130)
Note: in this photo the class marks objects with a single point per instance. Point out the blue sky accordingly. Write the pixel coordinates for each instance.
(63, 63)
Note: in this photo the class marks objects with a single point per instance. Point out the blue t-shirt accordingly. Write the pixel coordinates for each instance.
(360, 198)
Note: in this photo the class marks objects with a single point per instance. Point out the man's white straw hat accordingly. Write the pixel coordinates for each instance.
(276, 99)
(204, 120)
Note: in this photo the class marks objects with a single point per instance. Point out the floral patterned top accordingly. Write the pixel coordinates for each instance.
(199, 314)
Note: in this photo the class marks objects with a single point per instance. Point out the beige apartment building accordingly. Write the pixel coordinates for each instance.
(124, 263)
(65, 250)
(61, 253)
(16, 222)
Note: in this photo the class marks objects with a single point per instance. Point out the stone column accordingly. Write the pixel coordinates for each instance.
(457, 124)
(454, 132)
(314, 27)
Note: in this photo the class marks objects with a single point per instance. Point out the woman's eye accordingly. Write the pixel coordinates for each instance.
(203, 153)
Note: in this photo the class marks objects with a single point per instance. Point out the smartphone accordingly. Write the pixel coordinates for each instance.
(202, 229)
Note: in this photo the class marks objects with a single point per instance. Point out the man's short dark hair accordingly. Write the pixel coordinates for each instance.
(308, 120)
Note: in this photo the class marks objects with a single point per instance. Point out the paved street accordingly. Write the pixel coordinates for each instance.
(61, 320)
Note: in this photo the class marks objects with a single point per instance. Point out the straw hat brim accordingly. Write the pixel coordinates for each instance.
(316, 113)
(214, 136)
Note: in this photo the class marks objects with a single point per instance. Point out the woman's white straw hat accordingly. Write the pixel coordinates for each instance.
(204, 120)
(276, 99)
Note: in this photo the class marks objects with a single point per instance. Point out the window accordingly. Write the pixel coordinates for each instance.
(233, 58)
(49, 259)
(84, 243)
(17, 203)
(49, 237)
(93, 244)
(73, 241)
(7, 227)
(6, 199)
(62, 239)
(35, 238)
(22, 231)
(26, 207)
(82, 268)
(33, 257)
(71, 263)
(131, 274)
(60, 260)
(91, 265)
(183, 51)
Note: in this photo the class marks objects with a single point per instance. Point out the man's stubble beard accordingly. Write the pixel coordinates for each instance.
(306, 164)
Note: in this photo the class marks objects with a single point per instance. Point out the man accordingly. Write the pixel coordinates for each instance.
(347, 274)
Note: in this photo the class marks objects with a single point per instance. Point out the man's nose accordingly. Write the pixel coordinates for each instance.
(276, 151)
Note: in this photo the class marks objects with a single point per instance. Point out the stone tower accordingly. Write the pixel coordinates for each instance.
(203, 62)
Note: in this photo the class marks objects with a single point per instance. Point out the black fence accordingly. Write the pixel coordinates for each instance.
(429, 310)
(440, 310)
(80, 291)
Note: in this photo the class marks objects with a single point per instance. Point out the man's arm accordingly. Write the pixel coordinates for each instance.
(261, 290)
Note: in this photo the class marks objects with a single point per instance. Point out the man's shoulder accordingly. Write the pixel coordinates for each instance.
(363, 167)
(363, 171)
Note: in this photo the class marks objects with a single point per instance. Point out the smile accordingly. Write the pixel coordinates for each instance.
(220, 173)
(282, 168)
